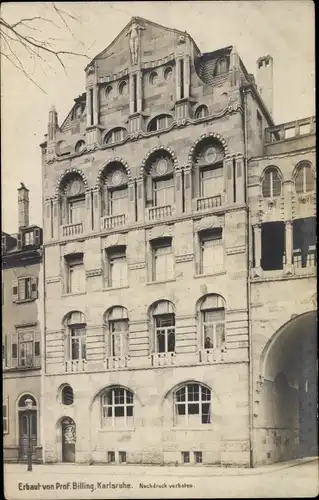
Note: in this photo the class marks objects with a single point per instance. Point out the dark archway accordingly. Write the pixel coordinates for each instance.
(288, 420)
(68, 439)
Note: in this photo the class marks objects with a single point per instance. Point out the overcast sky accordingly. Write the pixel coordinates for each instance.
(284, 29)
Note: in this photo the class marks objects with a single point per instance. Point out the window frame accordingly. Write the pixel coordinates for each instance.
(156, 246)
(128, 402)
(71, 201)
(5, 416)
(78, 332)
(304, 167)
(211, 236)
(120, 334)
(195, 402)
(167, 331)
(71, 265)
(214, 324)
(269, 174)
(116, 255)
(199, 112)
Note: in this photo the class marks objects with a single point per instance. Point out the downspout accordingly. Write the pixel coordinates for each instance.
(249, 264)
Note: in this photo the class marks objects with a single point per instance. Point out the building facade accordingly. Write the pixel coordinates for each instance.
(22, 327)
(159, 308)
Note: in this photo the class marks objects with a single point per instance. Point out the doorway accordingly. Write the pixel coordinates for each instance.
(68, 440)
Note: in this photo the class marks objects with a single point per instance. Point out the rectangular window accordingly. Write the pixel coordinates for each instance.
(78, 342)
(182, 78)
(75, 275)
(134, 93)
(272, 245)
(111, 457)
(165, 333)
(211, 181)
(185, 457)
(118, 201)
(122, 457)
(76, 211)
(259, 124)
(163, 192)
(29, 238)
(212, 251)
(5, 416)
(163, 265)
(198, 459)
(119, 337)
(304, 242)
(27, 288)
(91, 106)
(117, 267)
(214, 328)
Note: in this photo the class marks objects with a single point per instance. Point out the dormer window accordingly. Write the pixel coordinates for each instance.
(160, 122)
(221, 66)
(115, 135)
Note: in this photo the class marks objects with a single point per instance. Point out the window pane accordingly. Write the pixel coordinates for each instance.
(266, 189)
(212, 256)
(76, 211)
(213, 315)
(129, 411)
(180, 394)
(309, 179)
(119, 411)
(193, 409)
(76, 278)
(206, 413)
(180, 409)
(299, 181)
(164, 192)
(212, 182)
(163, 263)
(171, 342)
(119, 202)
(118, 272)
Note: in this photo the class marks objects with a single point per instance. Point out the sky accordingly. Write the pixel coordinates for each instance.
(283, 29)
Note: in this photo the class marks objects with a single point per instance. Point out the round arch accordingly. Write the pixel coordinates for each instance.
(301, 163)
(109, 163)
(201, 140)
(68, 175)
(97, 394)
(181, 384)
(153, 152)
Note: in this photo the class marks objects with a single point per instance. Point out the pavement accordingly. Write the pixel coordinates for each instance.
(296, 478)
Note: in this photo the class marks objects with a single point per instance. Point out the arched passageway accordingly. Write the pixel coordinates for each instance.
(288, 419)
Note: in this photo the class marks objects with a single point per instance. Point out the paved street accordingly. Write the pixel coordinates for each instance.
(293, 479)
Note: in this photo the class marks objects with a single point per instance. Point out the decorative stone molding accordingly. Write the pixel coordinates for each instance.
(211, 135)
(93, 272)
(158, 62)
(66, 172)
(113, 160)
(184, 258)
(209, 222)
(167, 149)
(72, 247)
(235, 250)
(89, 159)
(53, 279)
(137, 265)
(112, 78)
(160, 232)
(114, 239)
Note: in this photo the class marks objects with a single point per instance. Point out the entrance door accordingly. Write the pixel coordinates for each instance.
(27, 421)
(68, 440)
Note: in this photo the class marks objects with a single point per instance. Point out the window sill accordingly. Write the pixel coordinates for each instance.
(120, 429)
(20, 368)
(108, 288)
(71, 294)
(220, 273)
(160, 282)
(22, 301)
(207, 427)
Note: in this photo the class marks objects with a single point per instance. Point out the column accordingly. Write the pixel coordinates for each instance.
(96, 209)
(139, 91)
(178, 80)
(178, 192)
(130, 217)
(229, 180)
(257, 240)
(88, 108)
(186, 75)
(188, 190)
(131, 86)
(140, 199)
(56, 217)
(87, 223)
(240, 180)
(288, 266)
(96, 105)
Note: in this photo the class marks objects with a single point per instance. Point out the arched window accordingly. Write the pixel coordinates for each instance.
(117, 323)
(192, 405)
(212, 322)
(73, 201)
(153, 78)
(160, 122)
(271, 184)
(209, 173)
(76, 335)
(160, 190)
(115, 190)
(77, 113)
(108, 91)
(168, 73)
(28, 425)
(221, 66)
(201, 112)
(163, 320)
(117, 407)
(116, 135)
(123, 87)
(67, 396)
(80, 145)
(304, 179)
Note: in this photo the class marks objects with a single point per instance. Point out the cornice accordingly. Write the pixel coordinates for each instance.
(282, 155)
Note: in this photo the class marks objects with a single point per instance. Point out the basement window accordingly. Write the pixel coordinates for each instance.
(122, 457)
(185, 457)
(198, 457)
(272, 245)
(111, 457)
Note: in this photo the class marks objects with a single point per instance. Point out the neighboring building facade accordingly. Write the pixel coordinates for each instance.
(22, 327)
(150, 289)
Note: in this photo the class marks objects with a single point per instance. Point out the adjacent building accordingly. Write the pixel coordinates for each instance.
(22, 327)
(179, 257)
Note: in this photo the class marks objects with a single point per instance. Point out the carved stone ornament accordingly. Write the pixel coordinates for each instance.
(181, 39)
(91, 70)
(159, 232)
(271, 202)
(134, 41)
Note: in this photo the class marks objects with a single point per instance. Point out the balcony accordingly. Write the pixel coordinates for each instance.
(283, 137)
(163, 358)
(116, 363)
(75, 365)
(209, 356)
(112, 221)
(208, 202)
(304, 266)
(159, 213)
(72, 229)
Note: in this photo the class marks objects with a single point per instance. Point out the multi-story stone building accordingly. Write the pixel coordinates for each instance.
(168, 310)
(22, 327)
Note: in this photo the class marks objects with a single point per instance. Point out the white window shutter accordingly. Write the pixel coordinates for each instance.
(14, 290)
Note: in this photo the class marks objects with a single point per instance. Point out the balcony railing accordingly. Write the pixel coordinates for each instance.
(72, 229)
(210, 355)
(112, 221)
(163, 358)
(290, 130)
(158, 213)
(116, 363)
(75, 365)
(209, 202)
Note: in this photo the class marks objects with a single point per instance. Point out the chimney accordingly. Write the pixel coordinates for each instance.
(53, 124)
(265, 80)
(23, 206)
